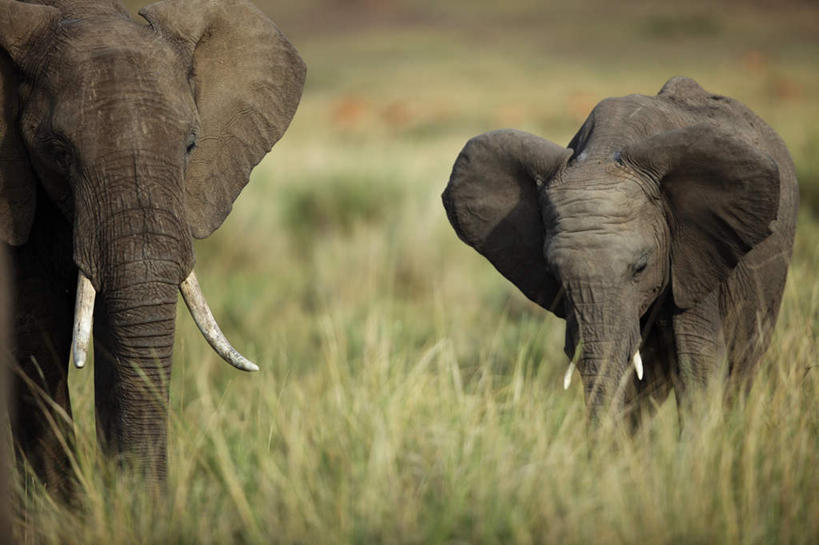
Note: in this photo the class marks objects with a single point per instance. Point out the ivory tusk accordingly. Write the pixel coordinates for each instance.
(198, 307)
(638, 364)
(567, 378)
(83, 320)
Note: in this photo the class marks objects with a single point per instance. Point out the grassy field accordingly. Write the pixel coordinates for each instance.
(408, 393)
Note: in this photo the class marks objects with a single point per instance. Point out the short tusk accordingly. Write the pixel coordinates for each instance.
(83, 320)
(638, 364)
(567, 378)
(198, 307)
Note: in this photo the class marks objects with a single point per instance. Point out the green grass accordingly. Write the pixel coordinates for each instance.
(408, 393)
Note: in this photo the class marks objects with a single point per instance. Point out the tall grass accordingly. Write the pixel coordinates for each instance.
(408, 394)
(381, 442)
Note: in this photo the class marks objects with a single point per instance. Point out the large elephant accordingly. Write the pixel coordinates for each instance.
(120, 142)
(662, 235)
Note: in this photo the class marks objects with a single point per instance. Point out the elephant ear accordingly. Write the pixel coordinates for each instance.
(20, 26)
(247, 81)
(492, 203)
(722, 193)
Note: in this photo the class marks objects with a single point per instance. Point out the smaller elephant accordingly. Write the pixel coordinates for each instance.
(662, 235)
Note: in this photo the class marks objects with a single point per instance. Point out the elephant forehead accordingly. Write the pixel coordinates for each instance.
(609, 225)
(94, 55)
(123, 79)
(593, 203)
(623, 242)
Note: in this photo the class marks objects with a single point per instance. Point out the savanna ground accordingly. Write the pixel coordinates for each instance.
(408, 393)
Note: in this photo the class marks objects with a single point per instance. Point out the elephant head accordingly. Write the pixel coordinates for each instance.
(646, 205)
(141, 136)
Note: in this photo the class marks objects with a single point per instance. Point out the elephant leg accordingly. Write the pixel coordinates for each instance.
(751, 301)
(43, 290)
(41, 421)
(700, 348)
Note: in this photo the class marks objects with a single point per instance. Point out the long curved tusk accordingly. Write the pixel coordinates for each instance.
(638, 364)
(83, 320)
(567, 378)
(198, 307)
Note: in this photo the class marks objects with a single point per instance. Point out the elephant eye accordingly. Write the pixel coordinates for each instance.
(641, 265)
(60, 154)
(54, 147)
(191, 144)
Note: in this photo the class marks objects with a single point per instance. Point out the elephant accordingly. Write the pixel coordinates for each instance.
(662, 236)
(121, 142)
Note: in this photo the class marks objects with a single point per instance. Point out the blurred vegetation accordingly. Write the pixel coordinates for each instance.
(336, 203)
(409, 394)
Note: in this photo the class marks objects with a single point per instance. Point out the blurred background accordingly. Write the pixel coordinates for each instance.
(345, 213)
(395, 85)
(408, 393)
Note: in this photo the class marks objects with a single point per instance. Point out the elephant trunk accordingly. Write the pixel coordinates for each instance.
(608, 338)
(134, 347)
(138, 236)
(133, 249)
(606, 369)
